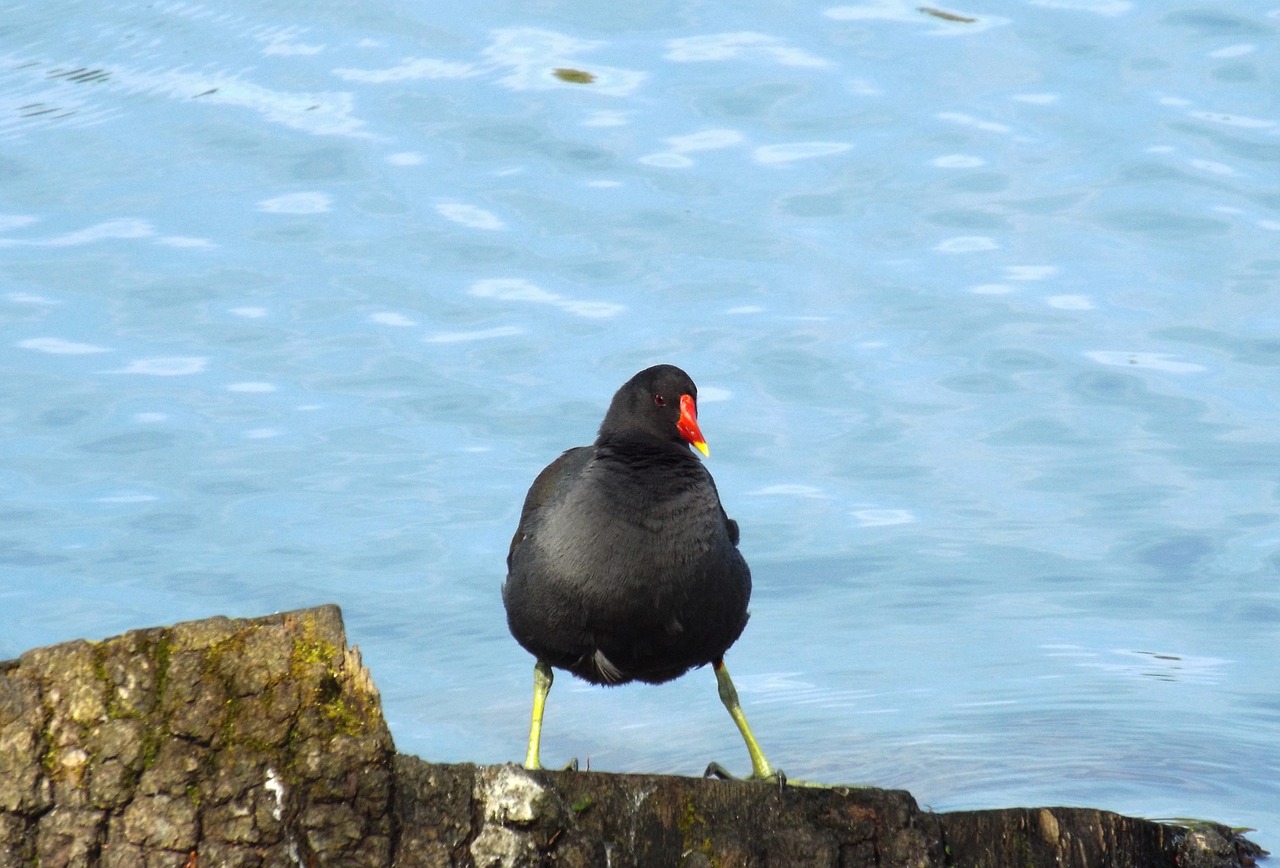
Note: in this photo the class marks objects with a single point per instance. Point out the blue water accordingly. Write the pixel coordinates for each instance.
(297, 298)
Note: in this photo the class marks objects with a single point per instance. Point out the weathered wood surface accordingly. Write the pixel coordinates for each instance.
(261, 742)
(504, 815)
(250, 742)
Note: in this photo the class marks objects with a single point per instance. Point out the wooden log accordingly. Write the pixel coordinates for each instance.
(261, 742)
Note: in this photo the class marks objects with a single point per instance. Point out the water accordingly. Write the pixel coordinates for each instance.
(296, 299)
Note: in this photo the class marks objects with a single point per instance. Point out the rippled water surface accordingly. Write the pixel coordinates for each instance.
(983, 302)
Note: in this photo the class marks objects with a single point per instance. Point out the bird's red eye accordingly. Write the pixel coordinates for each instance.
(659, 400)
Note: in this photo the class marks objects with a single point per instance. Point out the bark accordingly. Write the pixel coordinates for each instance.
(261, 742)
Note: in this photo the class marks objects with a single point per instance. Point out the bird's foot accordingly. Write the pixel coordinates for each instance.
(570, 766)
(766, 776)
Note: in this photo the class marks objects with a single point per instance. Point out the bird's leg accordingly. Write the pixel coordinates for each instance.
(760, 768)
(542, 678)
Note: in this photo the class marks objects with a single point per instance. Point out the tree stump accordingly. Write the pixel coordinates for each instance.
(261, 742)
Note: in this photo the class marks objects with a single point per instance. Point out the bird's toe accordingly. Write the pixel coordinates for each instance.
(773, 776)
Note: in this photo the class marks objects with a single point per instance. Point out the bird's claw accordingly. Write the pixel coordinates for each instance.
(570, 766)
(715, 770)
(773, 776)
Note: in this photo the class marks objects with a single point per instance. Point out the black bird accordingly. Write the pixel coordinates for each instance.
(625, 566)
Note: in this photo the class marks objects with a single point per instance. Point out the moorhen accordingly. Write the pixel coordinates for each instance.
(624, 566)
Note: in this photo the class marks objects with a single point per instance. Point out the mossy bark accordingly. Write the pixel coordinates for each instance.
(261, 743)
(245, 742)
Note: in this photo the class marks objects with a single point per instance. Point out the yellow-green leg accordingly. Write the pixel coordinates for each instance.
(542, 678)
(760, 768)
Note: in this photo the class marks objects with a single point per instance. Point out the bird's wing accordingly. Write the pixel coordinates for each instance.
(547, 487)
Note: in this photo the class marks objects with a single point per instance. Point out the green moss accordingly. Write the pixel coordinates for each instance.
(214, 657)
(100, 673)
(116, 708)
(309, 650)
(693, 834)
(1025, 852)
(212, 670)
(348, 713)
(160, 654)
(218, 651)
(48, 761)
(150, 747)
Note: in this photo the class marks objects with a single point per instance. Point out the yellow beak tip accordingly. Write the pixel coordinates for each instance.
(702, 447)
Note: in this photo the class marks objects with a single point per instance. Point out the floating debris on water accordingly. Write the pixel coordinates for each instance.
(577, 76)
(947, 16)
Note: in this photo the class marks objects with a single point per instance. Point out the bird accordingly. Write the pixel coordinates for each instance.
(624, 566)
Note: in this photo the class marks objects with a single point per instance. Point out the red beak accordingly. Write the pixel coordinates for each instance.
(687, 425)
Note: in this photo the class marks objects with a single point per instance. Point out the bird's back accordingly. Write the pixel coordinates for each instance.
(625, 566)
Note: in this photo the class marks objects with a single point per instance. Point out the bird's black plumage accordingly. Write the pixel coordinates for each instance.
(624, 566)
